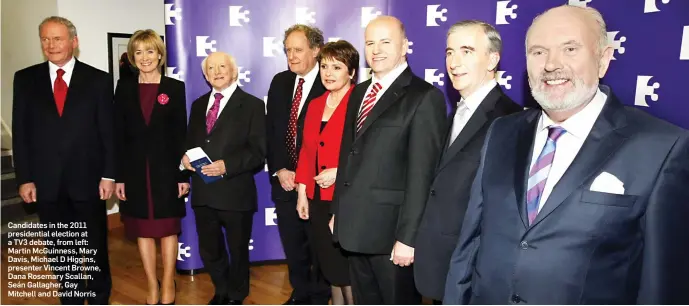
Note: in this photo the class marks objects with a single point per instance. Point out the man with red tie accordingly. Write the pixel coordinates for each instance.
(64, 152)
(393, 135)
(288, 99)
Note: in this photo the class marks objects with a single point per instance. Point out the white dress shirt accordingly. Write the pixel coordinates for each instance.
(469, 105)
(68, 68)
(385, 82)
(568, 145)
(309, 79)
(226, 93)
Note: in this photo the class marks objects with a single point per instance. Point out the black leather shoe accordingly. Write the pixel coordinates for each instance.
(296, 302)
(219, 300)
(235, 302)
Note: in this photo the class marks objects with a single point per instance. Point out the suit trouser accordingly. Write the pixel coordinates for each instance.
(304, 276)
(88, 219)
(376, 280)
(230, 277)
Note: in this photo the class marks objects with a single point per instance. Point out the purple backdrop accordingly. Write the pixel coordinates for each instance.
(651, 39)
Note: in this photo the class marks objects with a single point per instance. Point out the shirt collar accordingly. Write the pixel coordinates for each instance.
(474, 100)
(387, 80)
(310, 77)
(68, 67)
(227, 92)
(581, 123)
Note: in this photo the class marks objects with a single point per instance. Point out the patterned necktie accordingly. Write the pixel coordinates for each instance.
(60, 91)
(459, 121)
(539, 172)
(212, 115)
(292, 127)
(369, 102)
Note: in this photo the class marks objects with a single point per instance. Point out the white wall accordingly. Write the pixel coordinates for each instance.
(20, 44)
(93, 19)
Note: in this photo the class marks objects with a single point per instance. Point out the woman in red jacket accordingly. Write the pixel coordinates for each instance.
(317, 164)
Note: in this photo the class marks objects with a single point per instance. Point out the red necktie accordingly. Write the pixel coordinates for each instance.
(292, 127)
(60, 91)
(369, 102)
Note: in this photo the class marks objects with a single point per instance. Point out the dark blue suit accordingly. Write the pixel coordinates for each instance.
(584, 247)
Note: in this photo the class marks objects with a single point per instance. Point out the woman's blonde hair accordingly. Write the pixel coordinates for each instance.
(147, 38)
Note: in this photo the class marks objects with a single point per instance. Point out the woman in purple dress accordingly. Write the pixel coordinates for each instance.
(151, 122)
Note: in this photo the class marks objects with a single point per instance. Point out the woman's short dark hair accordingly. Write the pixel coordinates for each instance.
(342, 51)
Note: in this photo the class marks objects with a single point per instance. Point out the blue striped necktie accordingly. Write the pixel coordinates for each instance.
(539, 172)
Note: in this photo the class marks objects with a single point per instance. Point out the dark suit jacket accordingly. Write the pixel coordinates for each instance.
(280, 95)
(239, 139)
(449, 194)
(161, 144)
(322, 146)
(584, 247)
(73, 151)
(386, 170)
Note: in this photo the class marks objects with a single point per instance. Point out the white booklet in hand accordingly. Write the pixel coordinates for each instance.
(198, 158)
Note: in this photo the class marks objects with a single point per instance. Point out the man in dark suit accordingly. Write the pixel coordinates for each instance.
(229, 125)
(472, 57)
(288, 99)
(584, 202)
(64, 156)
(392, 138)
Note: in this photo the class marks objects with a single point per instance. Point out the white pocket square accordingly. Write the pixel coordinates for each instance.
(608, 183)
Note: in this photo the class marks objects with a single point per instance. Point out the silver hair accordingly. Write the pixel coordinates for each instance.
(233, 64)
(494, 39)
(63, 21)
(594, 14)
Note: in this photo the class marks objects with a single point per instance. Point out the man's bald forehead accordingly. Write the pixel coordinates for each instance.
(389, 21)
(219, 54)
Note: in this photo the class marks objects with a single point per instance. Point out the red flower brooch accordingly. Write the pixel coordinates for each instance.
(163, 99)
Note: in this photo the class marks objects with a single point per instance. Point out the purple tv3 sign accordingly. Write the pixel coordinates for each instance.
(641, 75)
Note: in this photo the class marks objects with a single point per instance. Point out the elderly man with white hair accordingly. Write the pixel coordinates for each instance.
(581, 202)
(229, 125)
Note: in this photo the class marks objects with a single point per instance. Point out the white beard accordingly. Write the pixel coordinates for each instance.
(571, 100)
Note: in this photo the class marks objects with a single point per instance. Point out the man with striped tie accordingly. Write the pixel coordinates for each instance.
(393, 134)
(582, 202)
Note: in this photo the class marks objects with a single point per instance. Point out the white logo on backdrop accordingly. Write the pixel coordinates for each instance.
(271, 46)
(643, 90)
(243, 76)
(368, 13)
(651, 7)
(684, 48)
(503, 10)
(271, 216)
(202, 45)
(304, 16)
(432, 78)
(580, 3)
(433, 14)
(172, 13)
(237, 16)
(616, 44)
(183, 251)
(504, 80)
(170, 71)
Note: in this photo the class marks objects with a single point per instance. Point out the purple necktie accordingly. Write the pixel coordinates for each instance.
(539, 172)
(212, 115)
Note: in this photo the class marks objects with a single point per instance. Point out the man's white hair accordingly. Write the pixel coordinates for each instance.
(230, 58)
